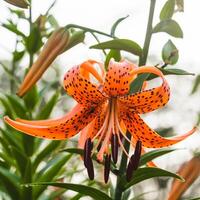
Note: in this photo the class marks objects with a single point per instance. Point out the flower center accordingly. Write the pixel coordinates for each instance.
(110, 133)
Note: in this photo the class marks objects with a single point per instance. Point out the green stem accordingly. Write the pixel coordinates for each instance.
(143, 57)
(88, 30)
(30, 27)
(142, 61)
(122, 169)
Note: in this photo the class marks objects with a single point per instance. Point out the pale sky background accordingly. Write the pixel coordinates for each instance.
(100, 15)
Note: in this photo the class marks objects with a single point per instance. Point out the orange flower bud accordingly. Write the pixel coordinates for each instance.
(54, 46)
(18, 3)
(190, 171)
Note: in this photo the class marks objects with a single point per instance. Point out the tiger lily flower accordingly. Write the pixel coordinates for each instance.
(104, 110)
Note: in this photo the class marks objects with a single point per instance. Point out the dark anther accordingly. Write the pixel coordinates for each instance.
(107, 168)
(87, 151)
(134, 161)
(114, 147)
(87, 158)
(90, 169)
(99, 146)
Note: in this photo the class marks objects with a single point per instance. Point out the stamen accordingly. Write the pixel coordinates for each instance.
(107, 133)
(134, 161)
(87, 151)
(114, 147)
(107, 168)
(87, 158)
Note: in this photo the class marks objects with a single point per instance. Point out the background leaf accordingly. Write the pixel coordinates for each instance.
(167, 10)
(149, 172)
(169, 26)
(86, 190)
(120, 44)
(170, 53)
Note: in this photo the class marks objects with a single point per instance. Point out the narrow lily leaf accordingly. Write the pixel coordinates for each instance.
(170, 53)
(13, 28)
(150, 172)
(169, 26)
(154, 154)
(47, 109)
(46, 151)
(196, 84)
(113, 29)
(112, 54)
(136, 85)
(17, 106)
(86, 190)
(52, 20)
(12, 138)
(31, 98)
(21, 160)
(49, 172)
(27, 178)
(7, 107)
(172, 71)
(11, 182)
(34, 41)
(120, 44)
(167, 10)
(18, 55)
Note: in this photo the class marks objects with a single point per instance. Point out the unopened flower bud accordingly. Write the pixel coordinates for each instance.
(54, 46)
(18, 3)
(190, 171)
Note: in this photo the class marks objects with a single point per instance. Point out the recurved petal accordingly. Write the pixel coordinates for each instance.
(148, 100)
(150, 139)
(81, 89)
(118, 78)
(60, 129)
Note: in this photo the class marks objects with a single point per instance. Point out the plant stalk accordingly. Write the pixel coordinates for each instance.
(143, 57)
(142, 61)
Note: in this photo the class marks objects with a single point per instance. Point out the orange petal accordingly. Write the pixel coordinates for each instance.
(81, 89)
(141, 131)
(118, 78)
(52, 122)
(61, 129)
(149, 100)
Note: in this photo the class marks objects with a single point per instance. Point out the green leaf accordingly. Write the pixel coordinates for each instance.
(120, 44)
(112, 54)
(76, 37)
(27, 178)
(13, 28)
(34, 41)
(154, 154)
(196, 84)
(7, 107)
(86, 190)
(172, 71)
(18, 55)
(31, 98)
(167, 10)
(21, 160)
(169, 26)
(17, 106)
(136, 85)
(145, 173)
(46, 151)
(11, 182)
(114, 26)
(170, 53)
(49, 172)
(47, 109)
(52, 20)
